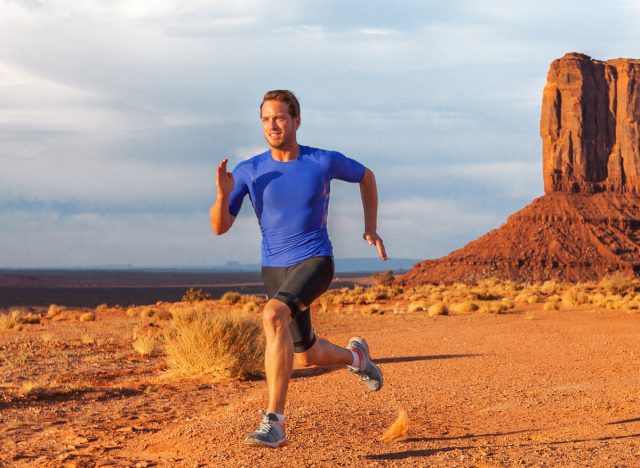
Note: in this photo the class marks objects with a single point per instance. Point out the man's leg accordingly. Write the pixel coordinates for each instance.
(325, 353)
(278, 361)
(278, 356)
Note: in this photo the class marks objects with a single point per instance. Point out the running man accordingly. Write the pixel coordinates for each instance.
(288, 186)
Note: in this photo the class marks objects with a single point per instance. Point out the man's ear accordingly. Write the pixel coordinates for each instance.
(298, 121)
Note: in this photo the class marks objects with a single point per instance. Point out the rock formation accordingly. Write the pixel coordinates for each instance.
(588, 222)
(590, 125)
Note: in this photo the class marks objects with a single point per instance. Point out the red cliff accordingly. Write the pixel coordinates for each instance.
(588, 222)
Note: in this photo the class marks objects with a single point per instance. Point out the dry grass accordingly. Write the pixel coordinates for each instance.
(230, 297)
(10, 322)
(398, 430)
(53, 311)
(88, 317)
(437, 309)
(221, 345)
(463, 307)
(47, 337)
(251, 307)
(551, 305)
(417, 306)
(146, 345)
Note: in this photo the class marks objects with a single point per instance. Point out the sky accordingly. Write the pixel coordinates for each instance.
(114, 115)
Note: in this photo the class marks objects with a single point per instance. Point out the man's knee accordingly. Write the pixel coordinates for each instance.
(276, 315)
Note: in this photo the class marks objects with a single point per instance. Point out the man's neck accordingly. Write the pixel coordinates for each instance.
(286, 154)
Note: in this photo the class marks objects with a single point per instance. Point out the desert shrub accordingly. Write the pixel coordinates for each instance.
(324, 303)
(88, 317)
(132, 312)
(598, 299)
(494, 308)
(88, 339)
(576, 295)
(230, 297)
(373, 309)
(162, 314)
(10, 322)
(551, 305)
(417, 306)
(146, 345)
(437, 309)
(549, 287)
(196, 295)
(47, 337)
(222, 345)
(251, 307)
(53, 311)
(617, 283)
(102, 307)
(383, 278)
(464, 307)
(27, 318)
(533, 299)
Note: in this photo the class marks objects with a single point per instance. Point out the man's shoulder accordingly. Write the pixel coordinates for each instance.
(319, 152)
(252, 161)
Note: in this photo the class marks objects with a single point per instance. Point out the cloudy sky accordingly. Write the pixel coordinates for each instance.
(114, 113)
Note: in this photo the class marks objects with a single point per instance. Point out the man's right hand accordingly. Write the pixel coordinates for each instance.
(224, 179)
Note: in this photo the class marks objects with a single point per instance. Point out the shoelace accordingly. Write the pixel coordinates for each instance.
(265, 424)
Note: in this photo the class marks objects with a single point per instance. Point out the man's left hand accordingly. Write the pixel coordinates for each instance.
(373, 238)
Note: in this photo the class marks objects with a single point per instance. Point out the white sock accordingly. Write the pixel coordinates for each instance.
(356, 359)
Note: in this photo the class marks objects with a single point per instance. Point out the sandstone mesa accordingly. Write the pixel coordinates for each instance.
(587, 224)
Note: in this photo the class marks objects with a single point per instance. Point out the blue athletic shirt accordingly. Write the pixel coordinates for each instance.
(291, 201)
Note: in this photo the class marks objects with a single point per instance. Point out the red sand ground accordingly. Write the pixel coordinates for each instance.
(531, 388)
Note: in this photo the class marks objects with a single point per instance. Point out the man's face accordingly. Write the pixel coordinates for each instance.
(278, 126)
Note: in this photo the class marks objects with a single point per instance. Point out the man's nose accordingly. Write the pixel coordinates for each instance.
(272, 124)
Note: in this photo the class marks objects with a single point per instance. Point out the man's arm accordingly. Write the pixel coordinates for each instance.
(221, 219)
(369, 193)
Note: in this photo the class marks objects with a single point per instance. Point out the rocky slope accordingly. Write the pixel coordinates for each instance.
(588, 222)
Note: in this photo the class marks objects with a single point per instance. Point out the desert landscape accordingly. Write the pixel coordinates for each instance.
(500, 373)
(520, 348)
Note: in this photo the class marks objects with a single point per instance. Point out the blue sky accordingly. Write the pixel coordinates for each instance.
(114, 114)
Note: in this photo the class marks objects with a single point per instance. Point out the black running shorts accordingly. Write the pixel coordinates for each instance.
(298, 286)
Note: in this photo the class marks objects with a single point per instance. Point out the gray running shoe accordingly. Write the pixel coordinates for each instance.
(269, 433)
(369, 373)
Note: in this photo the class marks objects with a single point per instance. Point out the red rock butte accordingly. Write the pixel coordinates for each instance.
(587, 224)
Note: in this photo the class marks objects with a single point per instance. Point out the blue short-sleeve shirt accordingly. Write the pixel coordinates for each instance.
(291, 201)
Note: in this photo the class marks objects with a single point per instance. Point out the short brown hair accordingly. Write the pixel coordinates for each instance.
(283, 95)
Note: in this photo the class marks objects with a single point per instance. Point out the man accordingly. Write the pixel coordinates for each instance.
(288, 186)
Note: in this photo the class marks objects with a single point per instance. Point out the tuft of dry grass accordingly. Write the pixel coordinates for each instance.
(88, 317)
(551, 305)
(398, 430)
(617, 283)
(53, 310)
(462, 307)
(417, 305)
(47, 337)
(146, 345)
(218, 344)
(10, 321)
(230, 297)
(250, 307)
(437, 309)
(88, 339)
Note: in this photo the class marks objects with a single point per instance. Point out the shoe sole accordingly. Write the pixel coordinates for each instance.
(259, 443)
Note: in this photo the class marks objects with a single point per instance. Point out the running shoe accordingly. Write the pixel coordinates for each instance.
(269, 433)
(369, 373)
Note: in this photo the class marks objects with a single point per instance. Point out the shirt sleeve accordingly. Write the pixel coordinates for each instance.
(240, 189)
(343, 168)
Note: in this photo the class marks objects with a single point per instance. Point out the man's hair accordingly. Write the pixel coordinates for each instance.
(283, 95)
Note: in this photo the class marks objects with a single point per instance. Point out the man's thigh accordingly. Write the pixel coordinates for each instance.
(298, 286)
